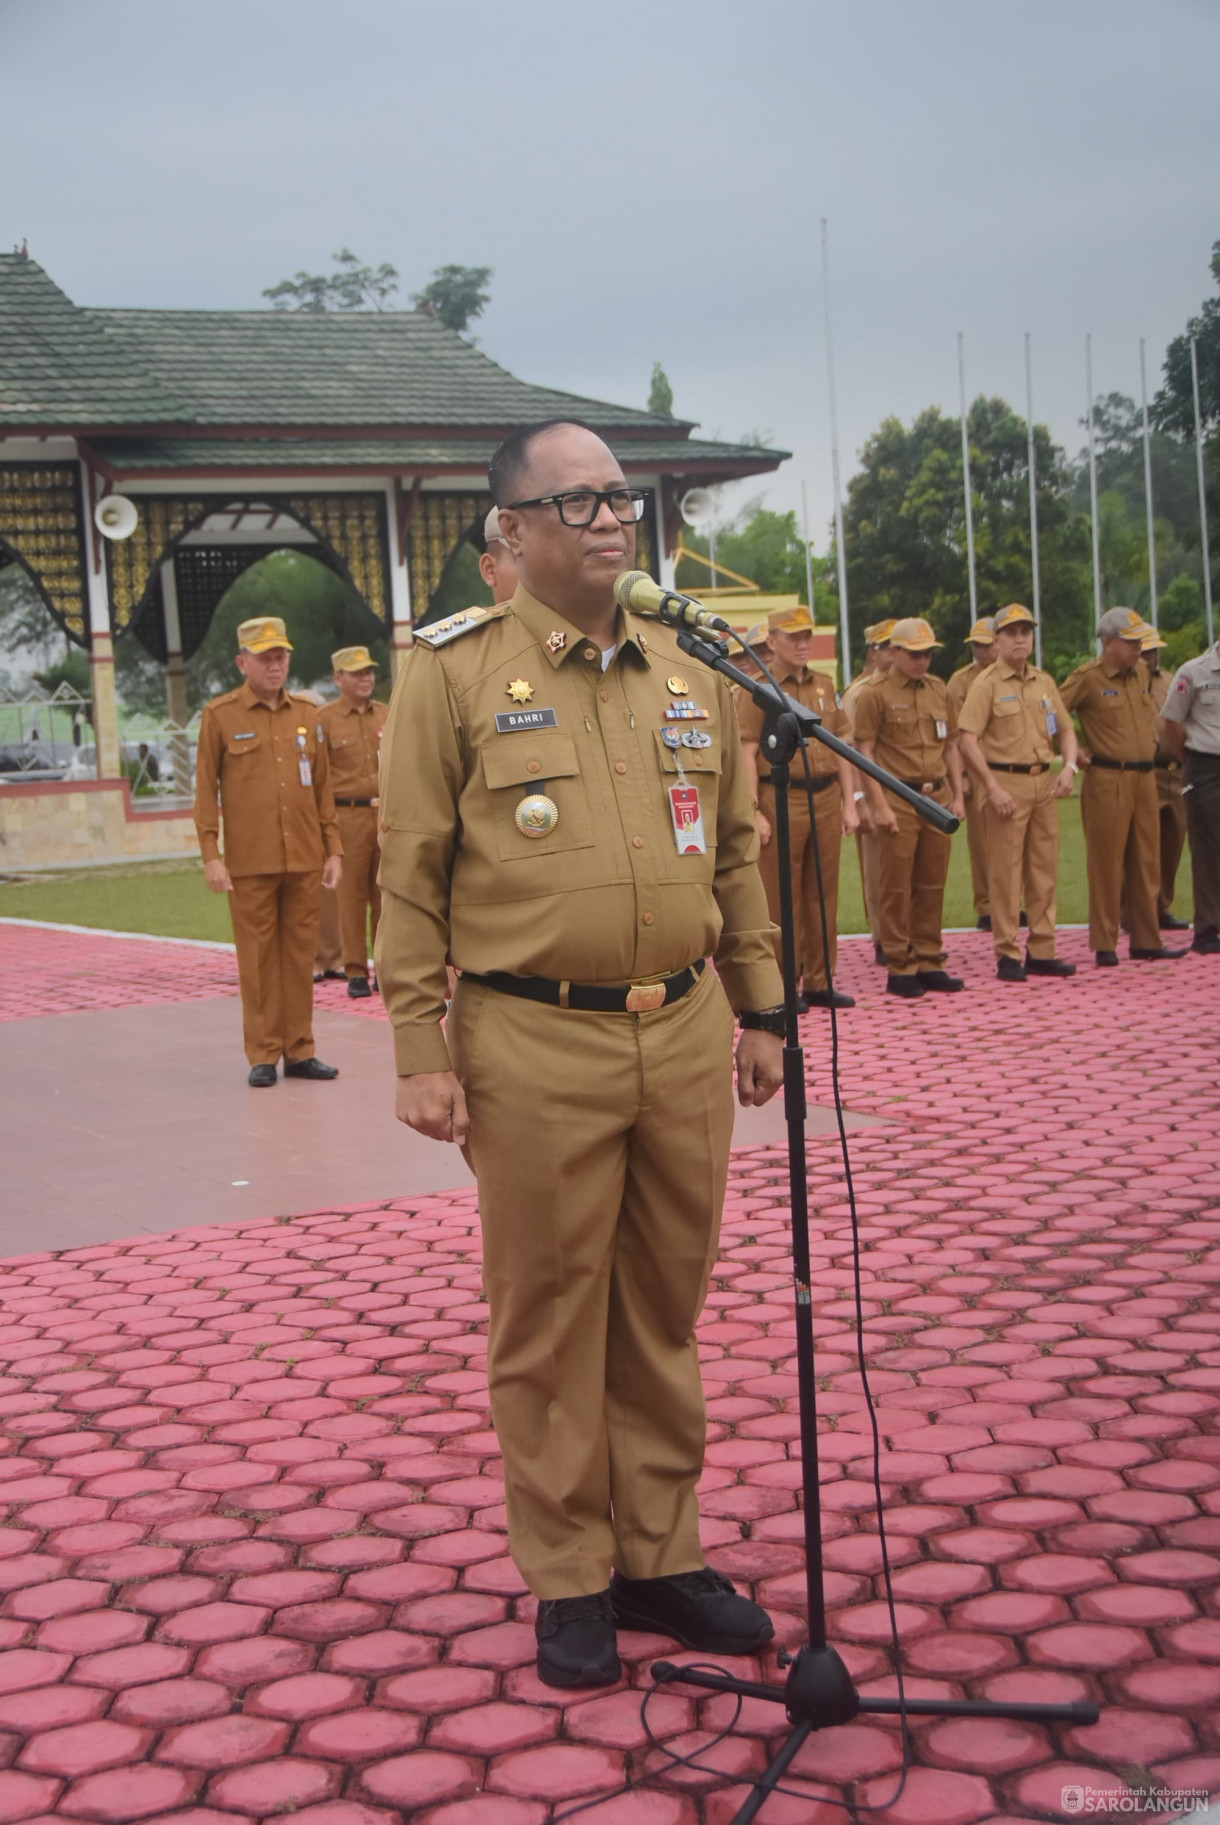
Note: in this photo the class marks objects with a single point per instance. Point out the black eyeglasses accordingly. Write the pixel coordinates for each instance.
(581, 506)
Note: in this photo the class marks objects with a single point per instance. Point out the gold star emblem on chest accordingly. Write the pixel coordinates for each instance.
(520, 690)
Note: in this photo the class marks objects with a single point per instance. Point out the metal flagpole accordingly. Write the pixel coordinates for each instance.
(1033, 504)
(808, 551)
(1148, 489)
(961, 384)
(1088, 371)
(840, 548)
(1207, 556)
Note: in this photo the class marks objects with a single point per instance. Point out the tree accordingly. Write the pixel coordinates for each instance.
(660, 393)
(455, 295)
(352, 287)
(768, 548)
(1174, 405)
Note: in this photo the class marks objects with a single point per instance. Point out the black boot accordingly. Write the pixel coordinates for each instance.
(576, 1644)
(910, 988)
(700, 1609)
(940, 981)
(311, 1067)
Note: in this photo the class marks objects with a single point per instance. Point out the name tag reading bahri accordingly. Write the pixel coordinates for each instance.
(509, 720)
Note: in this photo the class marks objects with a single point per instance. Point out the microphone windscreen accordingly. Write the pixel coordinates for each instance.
(629, 581)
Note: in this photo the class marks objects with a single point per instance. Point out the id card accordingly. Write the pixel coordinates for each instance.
(306, 775)
(687, 819)
(942, 731)
(1052, 723)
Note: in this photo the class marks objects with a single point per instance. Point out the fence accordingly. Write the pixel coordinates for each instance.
(48, 735)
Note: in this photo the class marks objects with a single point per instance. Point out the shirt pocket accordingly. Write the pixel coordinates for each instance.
(238, 745)
(518, 767)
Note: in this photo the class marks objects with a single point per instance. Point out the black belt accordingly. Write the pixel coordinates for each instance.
(924, 785)
(797, 782)
(348, 803)
(626, 998)
(1008, 766)
(1123, 766)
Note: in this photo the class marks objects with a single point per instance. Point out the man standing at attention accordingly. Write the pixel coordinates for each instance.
(981, 641)
(351, 725)
(1171, 807)
(876, 664)
(1012, 714)
(1189, 732)
(261, 753)
(565, 818)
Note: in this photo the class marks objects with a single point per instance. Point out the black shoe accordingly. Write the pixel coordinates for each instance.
(1106, 960)
(1008, 969)
(983, 922)
(311, 1067)
(1168, 923)
(940, 982)
(1157, 956)
(909, 987)
(829, 998)
(1207, 943)
(332, 976)
(802, 1004)
(261, 1077)
(358, 988)
(576, 1644)
(1049, 966)
(879, 955)
(700, 1609)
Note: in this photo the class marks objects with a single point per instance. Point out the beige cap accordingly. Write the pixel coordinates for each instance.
(262, 634)
(491, 528)
(1013, 616)
(1121, 624)
(879, 633)
(983, 632)
(756, 635)
(914, 634)
(796, 620)
(1150, 639)
(352, 659)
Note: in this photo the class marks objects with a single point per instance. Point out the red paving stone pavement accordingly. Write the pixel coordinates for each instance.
(254, 1560)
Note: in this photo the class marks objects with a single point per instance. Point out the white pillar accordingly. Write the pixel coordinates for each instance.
(1207, 556)
(400, 582)
(665, 560)
(101, 644)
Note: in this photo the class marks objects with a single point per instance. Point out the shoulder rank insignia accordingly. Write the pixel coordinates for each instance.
(464, 622)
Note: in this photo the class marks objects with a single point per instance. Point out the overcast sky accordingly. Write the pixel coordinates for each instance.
(647, 180)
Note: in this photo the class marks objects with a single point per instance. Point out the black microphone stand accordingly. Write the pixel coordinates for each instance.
(818, 1690)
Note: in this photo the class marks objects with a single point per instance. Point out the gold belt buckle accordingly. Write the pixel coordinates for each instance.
(1035, 770)
(645, 997)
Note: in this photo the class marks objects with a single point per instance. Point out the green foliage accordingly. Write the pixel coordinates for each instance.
(352, 287)
(768, 548)
(72, 669)
(1175, 404)
(455, 295)
(1179, 605)
(660, 393)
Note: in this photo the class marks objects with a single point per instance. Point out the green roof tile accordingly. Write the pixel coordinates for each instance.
(131, 456)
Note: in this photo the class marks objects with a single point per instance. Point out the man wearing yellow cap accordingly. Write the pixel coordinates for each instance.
(876, 664)
(261, 754)
(791, 635)
(981, 641)
(908, 726)
(1171, 807)
(497, 566)
(1012, 715)
(351, 726)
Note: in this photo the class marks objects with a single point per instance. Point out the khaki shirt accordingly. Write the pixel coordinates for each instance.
(250, 755)
(961, 681)
(604, 897)
(851, 695)
(1014, 718)
(353, 741)
(816, 692)
(1194, 701)
(1158, 689)
(909, 720)
(1116, 710)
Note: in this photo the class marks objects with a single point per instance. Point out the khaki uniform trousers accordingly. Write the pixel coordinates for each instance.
(828, 807)
(870, 878)
(275, 928)
(600, 1143)
(358, 893)
(914, 865)
(976, 841)
(1171, 809)
(1022, 856)
(328, 954)
(1123, 854)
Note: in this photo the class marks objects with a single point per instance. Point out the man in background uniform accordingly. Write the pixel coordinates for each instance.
(908, 726)
(1189, 731)
(791, 634)
(351, 725)
(1012, 714)
(261, 752)
(1118, 805)
(497, 566)
(876, 664)
(981, 641)
(1171, 807)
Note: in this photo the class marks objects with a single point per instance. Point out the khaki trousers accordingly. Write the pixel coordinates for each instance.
(275, 928)
(1022, 856)
(1123, 854)
(1171, 810)
(870, 878)
(976, 800)
(600, 1144)
(828, 807)
(913, 865)
(358, 893)
(328, 954)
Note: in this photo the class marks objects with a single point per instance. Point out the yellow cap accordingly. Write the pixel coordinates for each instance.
(352, 659)
(261, 634)
(1013, 616)
(756, 635)
(1150, 639)
(983, 632)
(1121, 624)
(913, 634)
(879, 633)
(796, 620)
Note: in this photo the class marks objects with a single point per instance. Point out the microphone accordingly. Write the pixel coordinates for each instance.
(635, 590)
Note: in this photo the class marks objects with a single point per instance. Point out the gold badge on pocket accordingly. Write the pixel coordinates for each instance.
(536, 815)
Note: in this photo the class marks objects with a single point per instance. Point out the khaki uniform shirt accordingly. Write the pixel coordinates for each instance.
(960, 683)
(353, 741)
(1194, 700)
(851, 695)
(250, 754)
(1116, 710)
(909, 720)
(604, 897)
(816, 692)
(1014, 718)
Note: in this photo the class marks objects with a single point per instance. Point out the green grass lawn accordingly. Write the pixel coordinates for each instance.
(170, 897)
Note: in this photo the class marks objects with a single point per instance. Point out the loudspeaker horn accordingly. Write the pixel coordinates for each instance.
(115, 516)
(697, 507)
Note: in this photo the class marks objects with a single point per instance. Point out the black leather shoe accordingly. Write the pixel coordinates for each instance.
(700, 1609)
(1048, 966)
(983, 922)
(1106, 960)
(1009, 969)
(940, 981)
(1168, 923)
(829, 998)
(358, 988)
(1207, 943)
(1162, 955)
(310, 1067)
(576, 1644)
(879, 955)
(261, 1077)
(910, 988)
(802, 1004)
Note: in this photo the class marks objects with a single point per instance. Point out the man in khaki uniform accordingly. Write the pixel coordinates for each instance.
(907, 724)
(981, 641)
(497, 566)
(876, 664)
(1189, 731)
(261, 754)
(351, 725)
(791, 636)
(1012, 714)
(1171, 807)
(565, 817)
(1118, 806)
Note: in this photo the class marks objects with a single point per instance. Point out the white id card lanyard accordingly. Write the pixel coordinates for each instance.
(303, 767)
(686, 815)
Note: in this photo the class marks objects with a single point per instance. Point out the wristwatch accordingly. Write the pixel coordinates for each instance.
(763, 1020)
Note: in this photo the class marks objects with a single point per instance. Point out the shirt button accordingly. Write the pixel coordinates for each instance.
(604, 695)
(637, 842)
(533, 766)
(620, 766)
(650, 919)
(591, 652)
